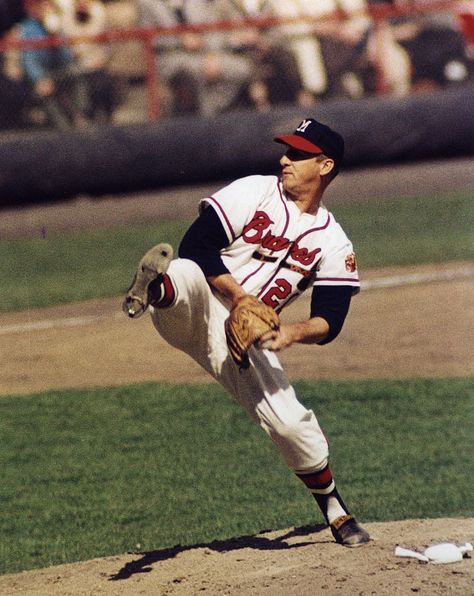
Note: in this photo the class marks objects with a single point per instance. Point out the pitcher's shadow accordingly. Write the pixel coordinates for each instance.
(144, 564)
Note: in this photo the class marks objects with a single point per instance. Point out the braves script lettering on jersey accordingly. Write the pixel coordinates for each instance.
(294, 249)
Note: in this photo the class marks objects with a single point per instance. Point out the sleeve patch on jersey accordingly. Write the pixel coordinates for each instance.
(351, 263)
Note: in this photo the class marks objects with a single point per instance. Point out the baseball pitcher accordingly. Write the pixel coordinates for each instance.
(256, 246)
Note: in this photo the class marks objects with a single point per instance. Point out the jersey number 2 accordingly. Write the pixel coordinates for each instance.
(277, 294)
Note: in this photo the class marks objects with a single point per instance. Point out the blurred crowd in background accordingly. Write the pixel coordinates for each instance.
(60, 67)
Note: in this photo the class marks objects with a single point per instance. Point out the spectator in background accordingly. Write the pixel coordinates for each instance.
(274, 79)
(333, 55)
(14, 96)
(386, 66)
(88, 18)
(437, 49)
(203, 71)
(51, 72)
(11, 12)
(304, 45)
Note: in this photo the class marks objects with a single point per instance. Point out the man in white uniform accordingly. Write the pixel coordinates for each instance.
(272, 238)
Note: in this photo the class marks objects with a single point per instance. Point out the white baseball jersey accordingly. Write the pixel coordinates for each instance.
(275, 251)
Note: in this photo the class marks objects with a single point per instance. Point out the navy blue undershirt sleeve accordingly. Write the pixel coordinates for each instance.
(203, 242)
(332, 304)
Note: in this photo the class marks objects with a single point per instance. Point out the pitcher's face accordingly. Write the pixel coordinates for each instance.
(300, 170)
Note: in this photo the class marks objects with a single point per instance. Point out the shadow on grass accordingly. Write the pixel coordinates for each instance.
(143, 565)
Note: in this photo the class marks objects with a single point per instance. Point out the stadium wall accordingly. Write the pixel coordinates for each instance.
(49, 166)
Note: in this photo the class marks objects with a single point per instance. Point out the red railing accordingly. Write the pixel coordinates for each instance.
(378, 13)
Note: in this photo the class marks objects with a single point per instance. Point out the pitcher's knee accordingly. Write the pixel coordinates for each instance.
(301, 443)
(288, 431)
(186, 269)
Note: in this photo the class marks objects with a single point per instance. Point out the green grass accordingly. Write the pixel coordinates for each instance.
(60, 268)
(97, 472)
(77, 266)
(427, 229)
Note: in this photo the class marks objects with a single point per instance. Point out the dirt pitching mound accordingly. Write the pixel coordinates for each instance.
(302, 561)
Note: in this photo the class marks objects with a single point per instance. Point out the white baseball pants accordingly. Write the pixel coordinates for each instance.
(194, 323)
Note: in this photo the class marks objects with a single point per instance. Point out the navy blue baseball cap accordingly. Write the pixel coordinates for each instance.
(314, 137)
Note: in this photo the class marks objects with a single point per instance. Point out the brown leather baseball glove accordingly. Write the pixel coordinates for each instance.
(248, 320)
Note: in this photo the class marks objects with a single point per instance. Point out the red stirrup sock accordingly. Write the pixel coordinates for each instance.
(161, 291)
(323, 488)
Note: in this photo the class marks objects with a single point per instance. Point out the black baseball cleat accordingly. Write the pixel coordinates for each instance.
(150, 269)
(347, 531)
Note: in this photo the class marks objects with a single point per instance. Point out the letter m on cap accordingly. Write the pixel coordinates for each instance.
(303, 126)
